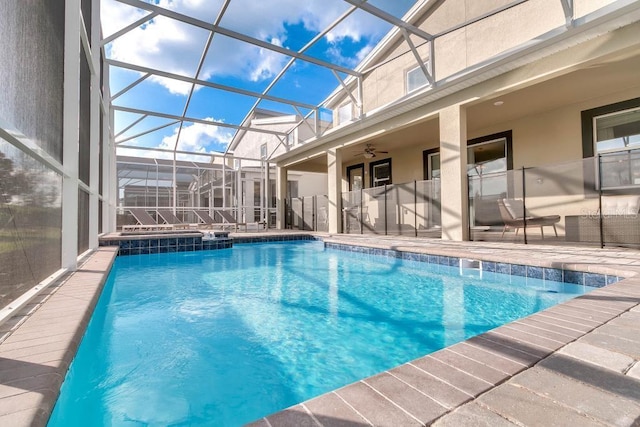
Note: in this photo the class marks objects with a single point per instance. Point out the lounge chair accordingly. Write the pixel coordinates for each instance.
(169, 217)
(515, 217)
(145, 221)
(206, 219)
(231, 220)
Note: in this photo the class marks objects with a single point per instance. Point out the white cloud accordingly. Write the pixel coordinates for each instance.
(337, 56)
(199, 138)
(175, 47)
(195, 138)
(269, 63)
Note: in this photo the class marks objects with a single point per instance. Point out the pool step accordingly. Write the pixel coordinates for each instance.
(470, 267)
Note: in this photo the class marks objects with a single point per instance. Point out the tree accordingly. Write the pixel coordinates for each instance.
(6, 178)
(13, 182)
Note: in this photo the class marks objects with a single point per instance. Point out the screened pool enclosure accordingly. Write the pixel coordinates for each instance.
(243, 188)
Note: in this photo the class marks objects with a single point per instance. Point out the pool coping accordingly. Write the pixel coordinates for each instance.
(39, 343)
(449, 384)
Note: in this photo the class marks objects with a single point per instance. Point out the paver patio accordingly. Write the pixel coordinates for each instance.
(572, 364)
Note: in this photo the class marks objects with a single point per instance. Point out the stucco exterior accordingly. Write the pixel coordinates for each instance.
(528, 68)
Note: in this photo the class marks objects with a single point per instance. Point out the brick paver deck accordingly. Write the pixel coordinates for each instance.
(572, 364)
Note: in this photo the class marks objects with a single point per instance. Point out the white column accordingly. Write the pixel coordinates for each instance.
(240, 195)
(94, 135)
(114, 192)
(281, 196)
(334, 186)
(109, 198)
(453, 169)
(224, 187)
(266, 194)
(71, 134)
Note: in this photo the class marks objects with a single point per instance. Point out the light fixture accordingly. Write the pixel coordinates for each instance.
(368, 155)
(498, 103)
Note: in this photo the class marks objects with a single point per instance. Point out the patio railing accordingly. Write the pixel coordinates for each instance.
(582, 199)
(552, 204)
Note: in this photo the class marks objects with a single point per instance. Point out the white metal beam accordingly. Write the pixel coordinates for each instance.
(146, 132)
(135, 122)
(206, 83)
(94, 130)
(567, 7)
(419, 60)
(128, 28)
(304, 119)
(277, 78)
(235, 35)
(194, 120)
(25, 144)
(379, 13)
(71, 134)
(199, 70)
(355, 101)
(131, 86)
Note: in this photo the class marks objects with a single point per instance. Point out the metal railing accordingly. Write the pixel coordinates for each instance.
(566, 203)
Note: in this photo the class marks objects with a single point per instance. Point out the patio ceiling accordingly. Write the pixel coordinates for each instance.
(158, 96)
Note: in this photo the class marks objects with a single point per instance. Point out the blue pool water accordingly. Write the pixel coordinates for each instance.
(225, 337)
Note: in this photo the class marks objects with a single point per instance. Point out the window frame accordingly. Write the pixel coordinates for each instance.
(343, 108)
(506, 135)
(350, 169)
(595, 132)
(411, 70)
(587, 118)
(372, 178)
(589, 132)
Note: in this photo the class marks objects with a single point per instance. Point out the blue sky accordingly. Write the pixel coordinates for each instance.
(176, 47)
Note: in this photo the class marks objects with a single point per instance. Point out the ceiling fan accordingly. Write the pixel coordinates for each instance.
(370, 152)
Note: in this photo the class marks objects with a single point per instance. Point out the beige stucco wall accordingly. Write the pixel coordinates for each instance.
(584, 7)
(310, 183)
(554, 136)
(464, 47)
(249, 145)
(551, 137)
(550, 142)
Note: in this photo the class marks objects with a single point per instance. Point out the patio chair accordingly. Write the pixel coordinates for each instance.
(170, 218)
(515, 217)
(145, 221)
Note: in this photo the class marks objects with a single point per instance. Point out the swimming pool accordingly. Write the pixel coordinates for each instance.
(225, 337)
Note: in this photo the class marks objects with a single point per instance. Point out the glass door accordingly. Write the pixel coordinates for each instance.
(355, 175)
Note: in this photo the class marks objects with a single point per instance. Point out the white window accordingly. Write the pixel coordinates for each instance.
(617, 131)
(293, 137)
(617, 141)
(416, 78)
(263, 151)
(345, 113)
(381, 173)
